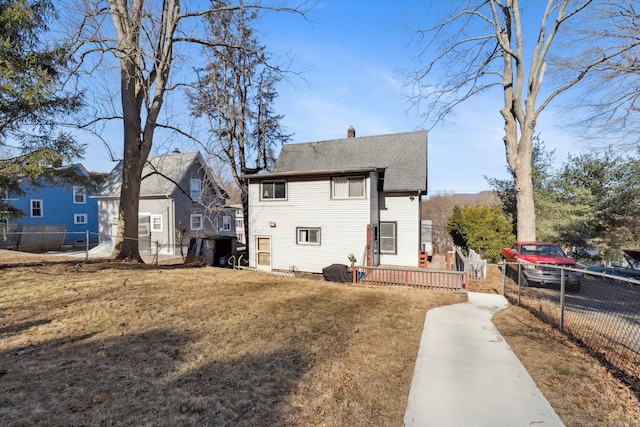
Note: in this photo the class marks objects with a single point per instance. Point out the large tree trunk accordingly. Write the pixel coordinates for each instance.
(522, 178)
(519, 152)
(520, 159)
(135, 90)
(127, 239)
(135, 157)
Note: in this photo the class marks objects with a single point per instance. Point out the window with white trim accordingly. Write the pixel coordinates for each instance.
(273, 190)
(195, 220)
(346, 187)
(79, 195)
(388, 241)
(36, 208)
(223, 223)
(195, 189)
(308, 236)
(156, 222)
(80, 218)
(226, 223)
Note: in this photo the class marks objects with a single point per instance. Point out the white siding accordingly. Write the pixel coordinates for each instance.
(107, 215)
(343, 225)
(108, 219)
(166, 237)
(406, 213)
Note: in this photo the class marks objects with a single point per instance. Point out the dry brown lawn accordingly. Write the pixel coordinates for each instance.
(580, 389)
(106, 343)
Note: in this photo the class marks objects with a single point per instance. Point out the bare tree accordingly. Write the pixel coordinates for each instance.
(235, 93)
(143, 38)
(501, 44)
(611, 96)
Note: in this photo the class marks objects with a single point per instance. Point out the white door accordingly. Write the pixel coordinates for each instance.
(263, 253)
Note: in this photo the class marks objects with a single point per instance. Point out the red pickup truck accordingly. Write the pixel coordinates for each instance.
(540, 262)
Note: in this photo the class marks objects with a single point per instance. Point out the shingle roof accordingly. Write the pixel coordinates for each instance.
(402, 155)
(173, 166)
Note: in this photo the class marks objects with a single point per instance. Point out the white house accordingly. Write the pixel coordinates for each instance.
(179, 200)
(325, 201)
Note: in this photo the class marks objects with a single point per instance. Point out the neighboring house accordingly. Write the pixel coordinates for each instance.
(59, 210)
(179, 200)
(326, 201)
(240, 237)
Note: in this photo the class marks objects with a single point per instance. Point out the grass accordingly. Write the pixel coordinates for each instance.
(120, 344)
(109, 343)
(580, 389)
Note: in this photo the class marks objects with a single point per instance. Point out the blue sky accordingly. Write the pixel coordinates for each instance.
(351, 54)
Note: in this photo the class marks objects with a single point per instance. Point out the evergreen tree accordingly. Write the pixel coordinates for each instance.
(603, 192)
(484, 229)
(31, 99)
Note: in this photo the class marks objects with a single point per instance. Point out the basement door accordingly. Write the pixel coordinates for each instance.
(263, 253)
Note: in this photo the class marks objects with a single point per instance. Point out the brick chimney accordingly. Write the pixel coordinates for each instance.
(351, 132)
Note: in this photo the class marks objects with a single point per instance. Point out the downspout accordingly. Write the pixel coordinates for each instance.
(171, 243)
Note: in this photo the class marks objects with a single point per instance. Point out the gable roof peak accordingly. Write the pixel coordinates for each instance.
(402, 155)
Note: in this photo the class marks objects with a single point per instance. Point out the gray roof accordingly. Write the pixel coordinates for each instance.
(173, 166)
(403, 156)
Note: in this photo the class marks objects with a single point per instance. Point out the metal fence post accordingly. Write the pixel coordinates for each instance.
(562, 302)
(519, 282)
(504, 277)
(157, 251)
(86, 255)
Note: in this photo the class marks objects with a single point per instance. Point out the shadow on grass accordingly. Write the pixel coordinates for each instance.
(142, 379)
(15, 329)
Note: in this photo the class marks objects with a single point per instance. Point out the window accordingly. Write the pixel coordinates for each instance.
(156, 222)
(143, 229)
(348, 187)
(274, 190)
(223, 223)
(195, 188)
(79, 195)
(226, 223)
(79, 218)
(388, 237)
(308, 236)
(196, 221)
(36, 208)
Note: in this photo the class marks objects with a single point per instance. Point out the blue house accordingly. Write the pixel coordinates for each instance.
(59, 211)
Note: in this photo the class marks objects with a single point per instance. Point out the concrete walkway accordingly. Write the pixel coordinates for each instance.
(467, 375)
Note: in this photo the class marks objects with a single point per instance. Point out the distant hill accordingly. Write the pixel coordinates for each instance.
(462, 199)
(438, 209)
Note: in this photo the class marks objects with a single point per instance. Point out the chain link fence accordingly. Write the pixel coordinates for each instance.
(38, 244)
(601, 311)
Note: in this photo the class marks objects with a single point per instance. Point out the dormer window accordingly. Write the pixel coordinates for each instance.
(347, 187)
(195, 189)
(79, 196)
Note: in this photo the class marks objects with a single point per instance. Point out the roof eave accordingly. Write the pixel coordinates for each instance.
(272, 175)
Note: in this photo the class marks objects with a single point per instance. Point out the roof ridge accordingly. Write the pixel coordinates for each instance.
(384, 135)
